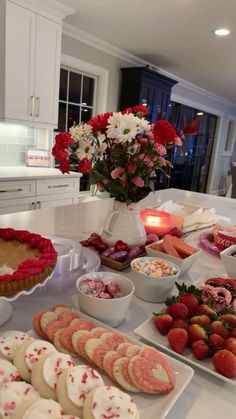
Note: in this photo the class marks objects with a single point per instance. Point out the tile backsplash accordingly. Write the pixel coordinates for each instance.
(14, 140)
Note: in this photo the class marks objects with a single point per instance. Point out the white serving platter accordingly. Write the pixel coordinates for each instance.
(150, 406)
(149, 332)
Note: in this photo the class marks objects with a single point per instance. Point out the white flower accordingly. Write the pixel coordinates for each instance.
(122, 128)
(99, 151)
(85, 150)
(143, 125)
(101, 137)
(87, 130)
(77, 132)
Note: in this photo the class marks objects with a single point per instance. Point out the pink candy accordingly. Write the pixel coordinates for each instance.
(100, 289)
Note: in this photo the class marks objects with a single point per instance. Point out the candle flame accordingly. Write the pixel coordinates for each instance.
(153, 221)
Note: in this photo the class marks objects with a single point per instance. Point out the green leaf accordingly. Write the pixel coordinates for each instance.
(184, 289)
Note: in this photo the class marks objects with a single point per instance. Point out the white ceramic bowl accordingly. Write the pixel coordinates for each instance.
(183, 264)
(229, 261)
(153, 290)
(112, 311)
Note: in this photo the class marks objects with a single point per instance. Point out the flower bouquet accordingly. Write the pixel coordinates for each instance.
(120, 150)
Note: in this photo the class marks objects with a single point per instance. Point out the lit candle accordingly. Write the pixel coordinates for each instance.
(157, 222)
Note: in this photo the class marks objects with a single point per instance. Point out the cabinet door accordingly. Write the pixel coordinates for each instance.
(53, 201)
(47, 67)
(8, 206)
(19, 65)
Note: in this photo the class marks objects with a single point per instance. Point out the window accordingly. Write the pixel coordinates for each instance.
(76, 98)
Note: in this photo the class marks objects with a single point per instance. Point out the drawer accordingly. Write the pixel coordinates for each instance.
(8, 206)
(55, 186)
(17, 189)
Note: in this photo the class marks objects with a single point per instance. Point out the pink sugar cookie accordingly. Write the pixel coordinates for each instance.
(37, 326)
(121, 348)
(108, 362)
(113, 340)
(98, 331)
(121, 375)
(79, 339)
(84, 324)
(132, 350)
(151, 372)
(99, 354)
(66, 335)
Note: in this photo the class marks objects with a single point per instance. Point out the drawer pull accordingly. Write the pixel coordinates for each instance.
(11, 190)
(57, 186)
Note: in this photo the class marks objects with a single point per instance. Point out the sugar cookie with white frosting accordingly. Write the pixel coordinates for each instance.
(29, 353)
(8, 372)
(109, 401)
(37, 409)
(46, 371)
(10, 341)
(73, 385)
(12, 394)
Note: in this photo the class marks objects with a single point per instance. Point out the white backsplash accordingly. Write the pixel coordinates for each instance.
(14, 140)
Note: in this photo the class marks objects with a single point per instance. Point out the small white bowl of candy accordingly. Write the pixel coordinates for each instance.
(106, 296)
(154, 278)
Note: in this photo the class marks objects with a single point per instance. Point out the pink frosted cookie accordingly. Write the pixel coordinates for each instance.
(59, 309)
(10, 341)
(73, 385)
(12, 394)
(37, 326)
(47, 318)
(29, 353)
(113, 340)
(64, 320)
(37, 409)
(46, 371)
(96, 350)
(84, 324)
(121, 375)
(132, 350)
(8, 372)
(151, 372)
(98, 331)
(58, 345)
(66, 334)
(109, 402)
(121, 348)
(79, 339)
(108, 362)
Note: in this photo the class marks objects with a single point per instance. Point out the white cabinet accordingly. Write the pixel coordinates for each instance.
(45, 201)
(30, 50)
(8, 206)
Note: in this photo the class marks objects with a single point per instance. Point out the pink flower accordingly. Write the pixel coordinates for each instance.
(178, 141)
(131, 168)
(138, 181)
(162, 161)
(160, 149)
(117, 172)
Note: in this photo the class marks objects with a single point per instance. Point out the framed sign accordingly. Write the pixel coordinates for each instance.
(38, 158)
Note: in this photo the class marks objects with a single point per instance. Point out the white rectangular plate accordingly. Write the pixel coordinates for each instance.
(150, 406)
(149, 332)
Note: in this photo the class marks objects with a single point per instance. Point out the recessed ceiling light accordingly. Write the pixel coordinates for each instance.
(222, 32)
(200, 113)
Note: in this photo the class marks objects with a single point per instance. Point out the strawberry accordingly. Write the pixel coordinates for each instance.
(196, 332)
(228, 319)
(230, 344)
(201, 319)
(224, 362)
(205, 309)
(178, 339)
(215, 342)
(177, 311)
(200, 349)
(218, 328)
(180, 323)
(233, 333)
(163, 322)
(189, 296)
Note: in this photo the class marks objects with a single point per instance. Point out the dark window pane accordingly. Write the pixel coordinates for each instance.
(74, 87)
(86, 114)
(88, 89)
(73, 115)
(62, 117)
(63, 84)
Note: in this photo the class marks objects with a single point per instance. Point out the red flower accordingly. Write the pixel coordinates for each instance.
(59, 152)
(65, 166)
(99, 122)
(164, 132)
(126, 110)
(84, 165)
(141, 109)
(64, 139)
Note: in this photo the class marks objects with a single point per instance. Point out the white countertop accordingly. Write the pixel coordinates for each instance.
(23, 172)
(205, 397)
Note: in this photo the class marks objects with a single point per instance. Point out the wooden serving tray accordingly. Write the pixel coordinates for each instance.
(118, 266)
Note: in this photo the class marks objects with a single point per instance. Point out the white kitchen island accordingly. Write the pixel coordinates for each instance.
(206, 397)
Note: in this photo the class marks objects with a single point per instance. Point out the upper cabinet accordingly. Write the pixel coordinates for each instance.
(30, 53)
(140, 85)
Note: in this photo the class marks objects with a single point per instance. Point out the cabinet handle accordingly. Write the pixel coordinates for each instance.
(32, 98)
(57, 186)
(11, 190)
(39, 204)
(33, 205)
(38, 106)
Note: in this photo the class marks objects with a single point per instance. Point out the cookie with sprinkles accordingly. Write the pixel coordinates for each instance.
(37, 409)
(8, 372)
(12, 394)
(10, 341)
(73, 385)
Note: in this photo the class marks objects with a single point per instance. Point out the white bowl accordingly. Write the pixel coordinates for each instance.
(229, 261)
(151, 289)
(110, 311)
(183, 264)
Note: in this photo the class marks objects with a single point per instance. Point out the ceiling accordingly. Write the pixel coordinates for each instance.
(175, 35)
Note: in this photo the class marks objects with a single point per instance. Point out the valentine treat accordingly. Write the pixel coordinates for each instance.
(155, 268)
(37, 409)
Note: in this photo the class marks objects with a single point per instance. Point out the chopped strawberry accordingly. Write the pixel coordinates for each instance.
(180, 323)
(196, 332)
(230, 344)
(215, 342)
(178, 310)
(163, 322)
(200, 349)
(218, 328)
(178, 339)
(228, 319)
(201, 319)
(224, 362)
(233, 333)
